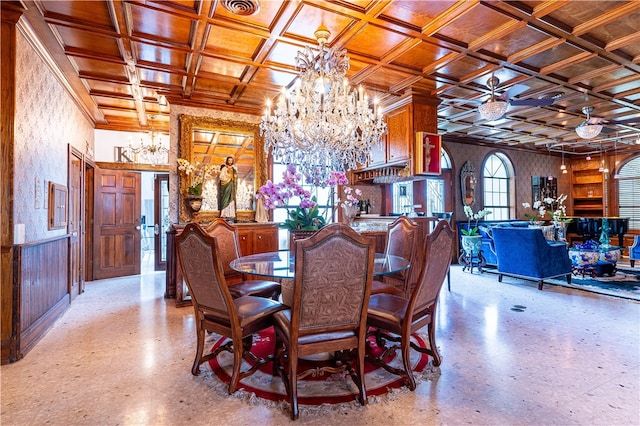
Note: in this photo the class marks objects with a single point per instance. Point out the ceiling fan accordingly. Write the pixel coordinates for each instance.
(496, 107)
(592, 126)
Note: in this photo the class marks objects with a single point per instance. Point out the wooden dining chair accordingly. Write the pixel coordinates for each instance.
(228, 241)
(216, 310)
(396, 318)
(332, 285)
(448, 216)
(401, 238)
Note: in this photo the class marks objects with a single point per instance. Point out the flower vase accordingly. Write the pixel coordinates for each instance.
(349, 213)
(472, 244)
(195, 203)
(561, 231)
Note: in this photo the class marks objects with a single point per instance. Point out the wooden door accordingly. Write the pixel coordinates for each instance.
(161, 220)
(75, 223)
(117, 223)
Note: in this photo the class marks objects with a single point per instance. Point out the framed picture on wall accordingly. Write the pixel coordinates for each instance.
(427, 153)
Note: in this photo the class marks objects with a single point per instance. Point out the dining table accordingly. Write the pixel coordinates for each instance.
(281, 264)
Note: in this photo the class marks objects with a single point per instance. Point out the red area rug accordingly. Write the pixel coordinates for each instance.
(326, 389)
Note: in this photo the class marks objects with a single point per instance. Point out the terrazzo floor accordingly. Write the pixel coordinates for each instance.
(122, 355)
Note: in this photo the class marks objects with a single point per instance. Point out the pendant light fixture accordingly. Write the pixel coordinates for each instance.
(563, 167)
(601, 168)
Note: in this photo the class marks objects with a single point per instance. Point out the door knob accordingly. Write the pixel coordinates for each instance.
(138, 228)
(156, 229)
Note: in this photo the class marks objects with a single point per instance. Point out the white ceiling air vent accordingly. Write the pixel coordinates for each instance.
(242, 7)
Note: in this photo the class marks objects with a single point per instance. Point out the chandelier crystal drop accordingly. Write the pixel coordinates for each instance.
(493, 110)
(322, 124)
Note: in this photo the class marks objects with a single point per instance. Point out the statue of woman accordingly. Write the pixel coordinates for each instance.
(227, 189)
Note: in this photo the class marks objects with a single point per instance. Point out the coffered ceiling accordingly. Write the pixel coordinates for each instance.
(122, 59)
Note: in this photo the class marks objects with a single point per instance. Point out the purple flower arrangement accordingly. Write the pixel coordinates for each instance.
(306, 215)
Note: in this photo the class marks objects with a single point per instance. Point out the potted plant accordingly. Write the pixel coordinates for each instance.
(533, 217)
(471, 240)
(350, 203)
(197, 173)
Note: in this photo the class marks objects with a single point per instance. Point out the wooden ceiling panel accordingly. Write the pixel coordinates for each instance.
(309, 17)
(114, 103)
(586, 72)
(119, 90)
(213, 87)
(283, 54)
(553, 56)
(473, 25)
(160, 56)
(222, 68)
(518, 41)
(416, 13)
(375, 41)
(273, 78)
(159, 79)
(232, 43)
(422, 56)
(159, 26)
(98, 69)
(118, 56)
(92, 14)
(78, 41)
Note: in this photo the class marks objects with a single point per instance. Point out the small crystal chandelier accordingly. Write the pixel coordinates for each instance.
(586, 130)
(493, 109)
(322, 124)
(151, 151)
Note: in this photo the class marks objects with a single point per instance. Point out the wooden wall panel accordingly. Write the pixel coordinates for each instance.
(41, 291)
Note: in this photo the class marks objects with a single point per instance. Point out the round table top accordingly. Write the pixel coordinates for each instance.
(281, 264)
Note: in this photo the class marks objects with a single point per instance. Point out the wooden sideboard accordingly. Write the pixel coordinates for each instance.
(254, 238)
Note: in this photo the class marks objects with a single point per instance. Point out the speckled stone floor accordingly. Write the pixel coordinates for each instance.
(122, 354)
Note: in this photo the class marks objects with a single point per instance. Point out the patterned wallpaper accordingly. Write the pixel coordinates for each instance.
(47, 121)
(525, 164)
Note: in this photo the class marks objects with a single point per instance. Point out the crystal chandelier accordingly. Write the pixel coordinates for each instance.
(493, 109)
(153, 151)
(322, 124)
(586, 130)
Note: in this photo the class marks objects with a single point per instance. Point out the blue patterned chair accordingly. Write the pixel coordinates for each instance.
(634, 250)
(524, 253)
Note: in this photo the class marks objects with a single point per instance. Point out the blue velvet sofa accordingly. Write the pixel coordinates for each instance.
(634, 250)
(524, 253)
(484, 230)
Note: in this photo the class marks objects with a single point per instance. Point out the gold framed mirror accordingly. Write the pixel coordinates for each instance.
(210, 141)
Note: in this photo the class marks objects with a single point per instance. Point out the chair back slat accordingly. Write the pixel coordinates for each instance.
(334, 271)
(198, 254)
(437, 248)
(228, 242)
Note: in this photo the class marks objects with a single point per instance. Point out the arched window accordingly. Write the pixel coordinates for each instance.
(629, 192)
(496, 177)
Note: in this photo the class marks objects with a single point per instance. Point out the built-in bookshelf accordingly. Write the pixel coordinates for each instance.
(587, 189)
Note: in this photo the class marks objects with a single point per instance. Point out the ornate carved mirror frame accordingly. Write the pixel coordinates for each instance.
(468, 184)
(193, 130)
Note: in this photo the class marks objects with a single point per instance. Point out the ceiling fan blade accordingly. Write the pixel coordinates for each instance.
(466, 101)
(608, 130)
(513, 91)
(532, 102)
(627, 121)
